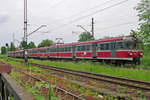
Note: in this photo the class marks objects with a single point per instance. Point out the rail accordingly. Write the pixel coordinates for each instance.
(137, 84)
(75, 97)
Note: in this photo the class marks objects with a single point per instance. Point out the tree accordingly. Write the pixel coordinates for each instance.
(143, 9)
(85, 36)
(23, 44)
(31, 45)
(46, 42)
(3, 50)
(12, 47)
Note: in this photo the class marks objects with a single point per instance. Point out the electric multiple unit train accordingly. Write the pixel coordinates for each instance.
(125, 49)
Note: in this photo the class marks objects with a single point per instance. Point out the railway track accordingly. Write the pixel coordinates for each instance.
(132, 83)
(73, 96)
(137, 84)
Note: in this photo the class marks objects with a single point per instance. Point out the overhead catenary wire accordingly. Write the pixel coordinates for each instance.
(81, 12)
(98, 11)
(118, 25)
(55, 5)
(114, 19)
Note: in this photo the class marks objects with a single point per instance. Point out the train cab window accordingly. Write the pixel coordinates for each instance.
(120, 45)
(130, 45)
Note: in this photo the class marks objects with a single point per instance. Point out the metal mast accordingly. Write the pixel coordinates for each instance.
(93, 28)
(25, 29)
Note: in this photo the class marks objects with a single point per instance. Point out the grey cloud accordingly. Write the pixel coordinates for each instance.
(4, 19)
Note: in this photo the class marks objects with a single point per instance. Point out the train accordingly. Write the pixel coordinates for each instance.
(118, 50)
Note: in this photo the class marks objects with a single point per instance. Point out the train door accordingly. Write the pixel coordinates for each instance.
(113, 49)
(94, 45)
(73, 51)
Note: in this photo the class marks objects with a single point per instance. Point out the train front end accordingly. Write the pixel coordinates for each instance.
(134, 47)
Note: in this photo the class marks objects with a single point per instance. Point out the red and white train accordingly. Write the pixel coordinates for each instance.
(118, 49)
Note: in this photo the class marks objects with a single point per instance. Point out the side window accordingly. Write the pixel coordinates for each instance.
(47, 50)
(82, 48)
(87, 48)
(51, 50)
(63, 49)
(78, 48)
(107, 46)
(69, 49)
(112, 46)
(120, 45)
(60, 49)
(101, 46)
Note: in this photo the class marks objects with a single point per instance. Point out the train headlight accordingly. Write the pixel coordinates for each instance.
(130, 54)
(141, 54)
(134, 38)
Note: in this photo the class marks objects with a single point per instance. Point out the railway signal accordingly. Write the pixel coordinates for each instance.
(7, 51)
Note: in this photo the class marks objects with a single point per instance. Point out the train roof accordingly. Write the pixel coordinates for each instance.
(85, 42)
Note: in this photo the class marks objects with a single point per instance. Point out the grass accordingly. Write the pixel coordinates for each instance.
(36, 93)
(96, 67)
(145, 63)
(140, 74)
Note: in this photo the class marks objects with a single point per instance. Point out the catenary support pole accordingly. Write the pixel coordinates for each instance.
(93, 28)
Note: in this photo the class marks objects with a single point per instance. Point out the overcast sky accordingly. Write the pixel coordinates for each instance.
(62, 16)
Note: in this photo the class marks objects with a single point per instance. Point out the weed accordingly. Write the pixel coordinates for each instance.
(122, 89)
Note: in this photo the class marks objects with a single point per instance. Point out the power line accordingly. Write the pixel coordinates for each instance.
(58, 3)
(121, 18)
(101, 10)
(81, 12)
(117, 25)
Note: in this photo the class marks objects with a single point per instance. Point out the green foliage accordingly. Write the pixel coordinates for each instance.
(143, 9)
(122, 89)
(133, 32)
(146, 51)
(46, 42)
(3, 50)
(23, 44)
(85, 36)
(31, 45)
(35, 92)
(12, 47)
